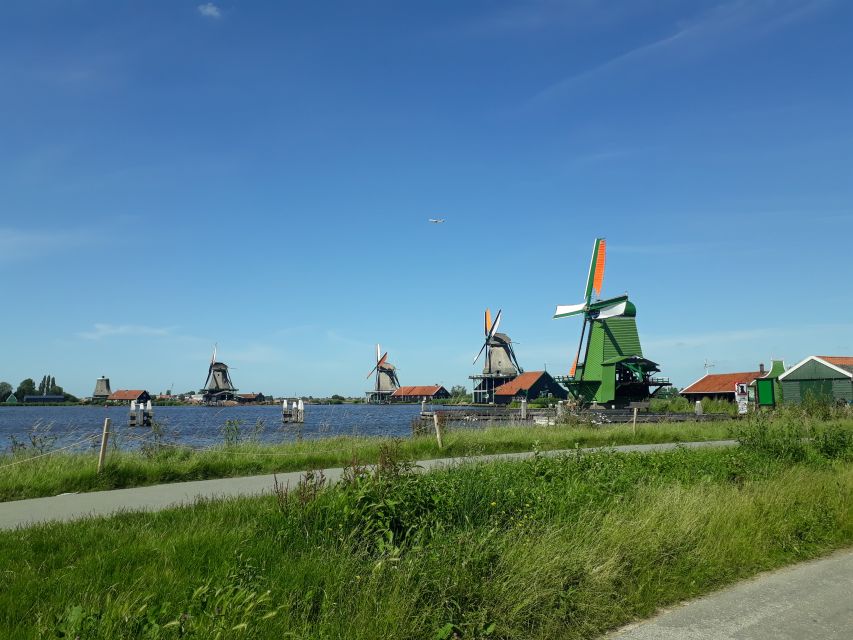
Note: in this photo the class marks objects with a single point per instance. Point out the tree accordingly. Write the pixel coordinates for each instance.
(5, 391)
(26, 388)
(458, 390)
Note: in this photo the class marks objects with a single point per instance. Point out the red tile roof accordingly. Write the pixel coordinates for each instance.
(521, 383)
(838, 361)
(126, 394)
(722, 382)
(424, 390)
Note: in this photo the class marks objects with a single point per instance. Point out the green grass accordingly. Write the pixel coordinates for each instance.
(562, 547)
(64, 472)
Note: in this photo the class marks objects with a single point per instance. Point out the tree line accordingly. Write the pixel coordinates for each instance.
(28, 387)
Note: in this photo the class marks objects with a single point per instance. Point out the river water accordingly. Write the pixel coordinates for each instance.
(202, 426)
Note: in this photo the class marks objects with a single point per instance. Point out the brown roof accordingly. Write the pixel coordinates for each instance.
(521, 383)
(126, 394)
(838, 361)
(248, 395)
(424, 390)
(722, 382)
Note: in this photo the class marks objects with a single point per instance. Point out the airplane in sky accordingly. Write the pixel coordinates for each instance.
(436, 220)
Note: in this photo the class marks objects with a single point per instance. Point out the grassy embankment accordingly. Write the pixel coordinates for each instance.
(547, 548)
(160, 461)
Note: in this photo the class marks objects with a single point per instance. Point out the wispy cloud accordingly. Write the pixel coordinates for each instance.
(105, 330)
(209, 10)
(725, 340)
(702, 33)
(17, 244)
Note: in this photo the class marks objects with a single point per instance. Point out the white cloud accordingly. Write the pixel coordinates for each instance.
(209, 10)
(104, 330)
(710, 30)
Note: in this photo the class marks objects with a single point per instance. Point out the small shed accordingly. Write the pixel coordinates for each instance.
(766, 391)
(130, 395)
(827, 378)
(417, 393)
(530, 385)
(11, 399)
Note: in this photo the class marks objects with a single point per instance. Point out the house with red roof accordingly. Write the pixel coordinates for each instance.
(530, 385)
(418, 393)
(129, 395)
(721, 386)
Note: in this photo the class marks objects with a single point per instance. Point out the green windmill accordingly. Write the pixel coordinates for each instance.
(613, 370)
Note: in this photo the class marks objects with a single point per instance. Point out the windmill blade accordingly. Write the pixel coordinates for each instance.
(379, 363)
(574, 367)
(481, 352)
(513, 358)
(566, 310)
(487, 322)
(596, 264)
(495, 326)
(378, 351)
(598, 276)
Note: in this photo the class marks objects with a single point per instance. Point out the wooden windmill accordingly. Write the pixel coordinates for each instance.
(218, 386)
(613, 369)
(386, 381)
(500, 364)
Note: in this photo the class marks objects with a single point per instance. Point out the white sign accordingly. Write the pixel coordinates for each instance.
(742, 398)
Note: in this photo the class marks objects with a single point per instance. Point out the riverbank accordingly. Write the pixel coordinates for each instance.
(33, 473)
(563, 547)
(26, 475)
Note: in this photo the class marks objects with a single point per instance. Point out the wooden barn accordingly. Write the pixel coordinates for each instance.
(824, 378)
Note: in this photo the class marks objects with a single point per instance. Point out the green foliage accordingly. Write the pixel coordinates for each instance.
(5, 391)
(680, 404)
(26, 388)
(566, 546)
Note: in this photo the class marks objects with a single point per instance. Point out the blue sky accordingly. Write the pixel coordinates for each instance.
(260, 174)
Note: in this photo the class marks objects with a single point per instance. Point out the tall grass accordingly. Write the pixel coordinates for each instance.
(563, 547)
(169, 462)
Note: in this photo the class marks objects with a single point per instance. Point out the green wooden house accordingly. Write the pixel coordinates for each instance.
(828, 378)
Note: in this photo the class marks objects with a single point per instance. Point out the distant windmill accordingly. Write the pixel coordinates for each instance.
(386, 378)
(500, 364)
(218, 386)
(500, 357)
(613, 369)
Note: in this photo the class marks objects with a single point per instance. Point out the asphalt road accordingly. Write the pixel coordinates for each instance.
(809, 601)
(22, 513)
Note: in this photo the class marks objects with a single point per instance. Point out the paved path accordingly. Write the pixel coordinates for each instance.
(810, 601)
(99, 503)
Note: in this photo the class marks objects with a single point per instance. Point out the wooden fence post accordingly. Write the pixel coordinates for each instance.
(635, 420)
(104, 437)
(437, 428)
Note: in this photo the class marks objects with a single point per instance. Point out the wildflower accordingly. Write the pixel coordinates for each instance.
(494, 504)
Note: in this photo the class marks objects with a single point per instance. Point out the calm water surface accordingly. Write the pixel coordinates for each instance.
(203, 426)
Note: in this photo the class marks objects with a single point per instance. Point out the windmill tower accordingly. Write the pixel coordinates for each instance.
(613, 369)
(102, 389)
(500, 365)
(218, 386)
(386, 381)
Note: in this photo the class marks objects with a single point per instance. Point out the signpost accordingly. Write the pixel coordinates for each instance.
(742, 398)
